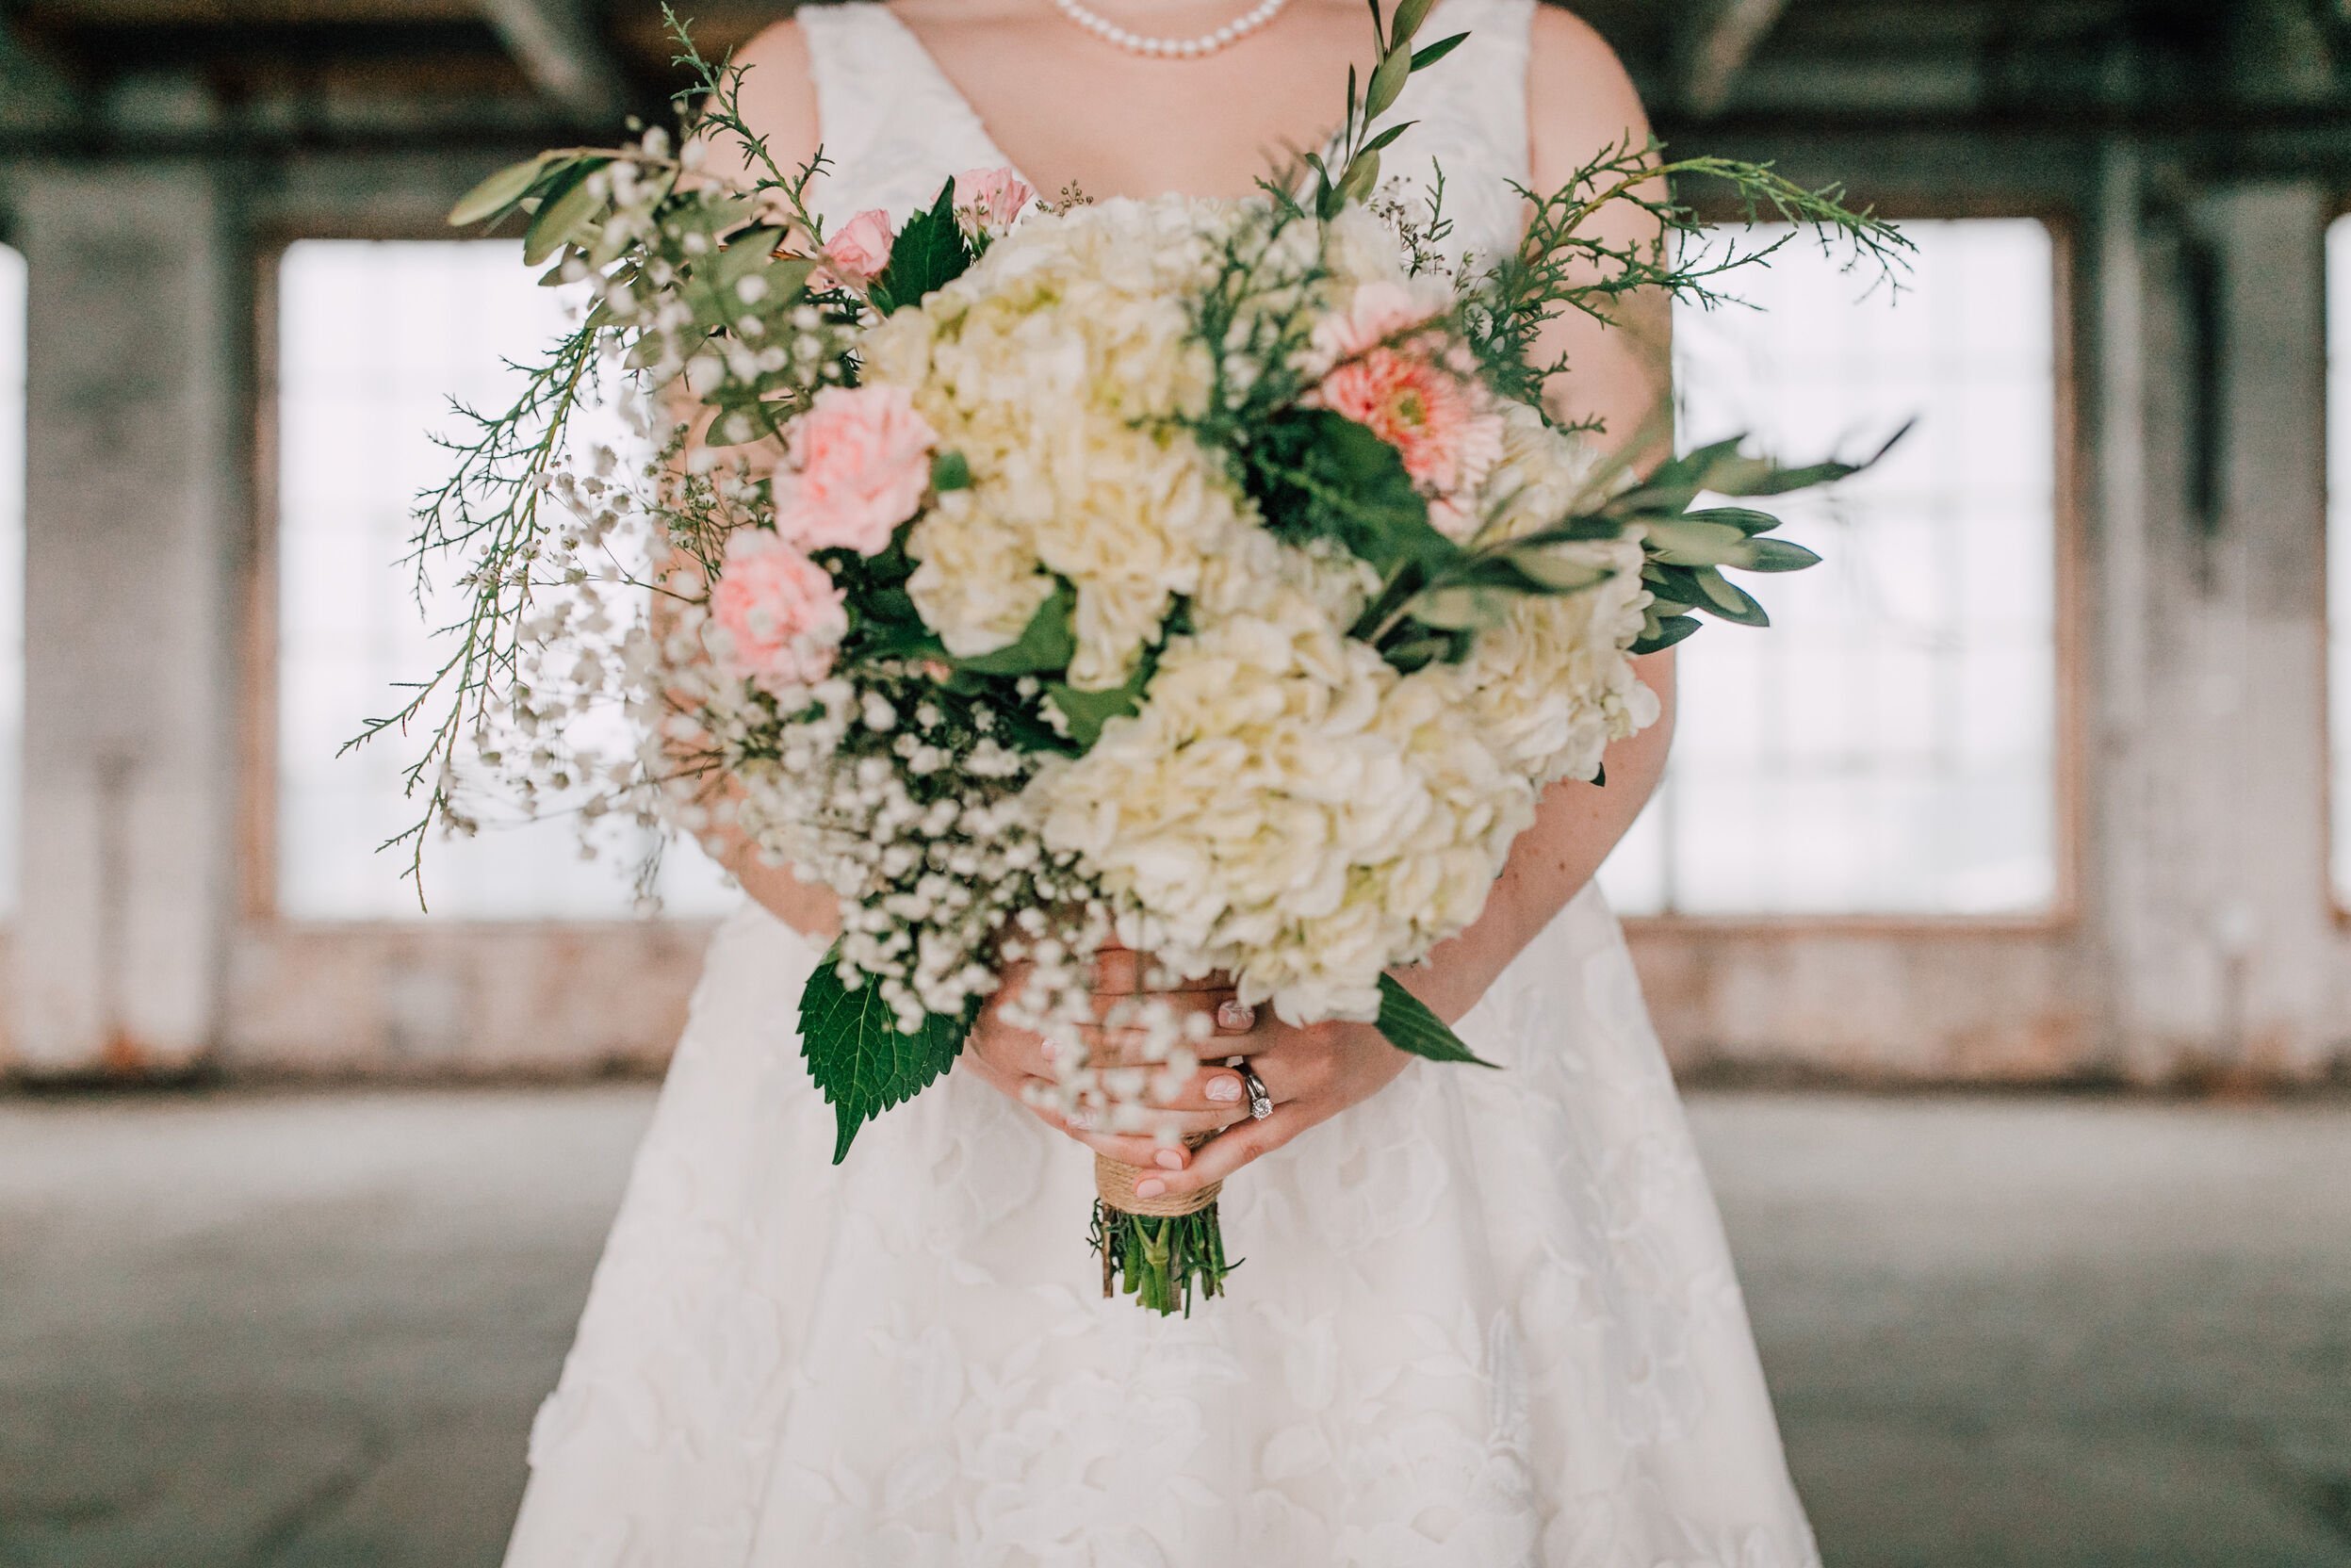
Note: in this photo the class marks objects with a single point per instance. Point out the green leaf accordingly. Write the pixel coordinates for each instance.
(1409, 1025)
(1086, 713)
(1746, 520)
(1670, 630)
(1688, 542)
(570, 206)
(1324, 474)
(496, 196)
(857, 1057)
(929, 254)
(951, 471)
(1776, 555)
(1728, 600)
(1363, 176)
(1407, 21)
(1437, 50)
(1386, 83)
(746, 253)
(1387, 137)
(1555, 573)
(1044, 645)
(1461, 608)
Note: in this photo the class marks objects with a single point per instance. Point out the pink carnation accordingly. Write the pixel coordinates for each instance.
(859, 460)
(990, 199)
(862, 248)
(782, 614)
(1418, 396)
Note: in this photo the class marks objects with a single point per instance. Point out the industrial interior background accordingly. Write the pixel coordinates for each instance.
(2041, 790)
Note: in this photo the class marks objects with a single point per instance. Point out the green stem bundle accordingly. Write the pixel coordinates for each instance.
(1160, 1260)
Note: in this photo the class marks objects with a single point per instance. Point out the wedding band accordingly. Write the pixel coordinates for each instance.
(1260, 1103)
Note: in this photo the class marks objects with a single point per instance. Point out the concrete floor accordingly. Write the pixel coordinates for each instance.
(270, 1331)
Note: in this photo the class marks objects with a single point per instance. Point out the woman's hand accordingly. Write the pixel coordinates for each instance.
(1311, 1073)
(1017, 1062)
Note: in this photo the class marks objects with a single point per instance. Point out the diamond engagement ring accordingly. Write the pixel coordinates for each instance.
(1260, 1103)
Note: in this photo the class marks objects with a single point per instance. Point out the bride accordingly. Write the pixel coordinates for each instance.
(1487, 1319)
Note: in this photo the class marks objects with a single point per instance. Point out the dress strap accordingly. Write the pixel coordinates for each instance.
(1469, 114)
(893, 128)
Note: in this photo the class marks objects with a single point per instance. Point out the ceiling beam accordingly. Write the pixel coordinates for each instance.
(1727, 35)
(558, 48)
(34, 90)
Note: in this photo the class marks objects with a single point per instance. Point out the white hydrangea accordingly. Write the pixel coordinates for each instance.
(1288, 809)
(1552, 686)
(1053, 367)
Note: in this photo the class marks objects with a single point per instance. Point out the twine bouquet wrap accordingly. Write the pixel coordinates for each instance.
(1202, 577)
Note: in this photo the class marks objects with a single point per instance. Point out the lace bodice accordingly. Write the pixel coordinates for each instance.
(894, 127)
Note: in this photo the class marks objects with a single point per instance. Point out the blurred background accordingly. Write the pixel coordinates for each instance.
(1994, 913)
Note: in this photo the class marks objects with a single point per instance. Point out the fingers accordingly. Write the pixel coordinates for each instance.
(1215, 1090)
(1164, 1147)
(1123, 972)
(1228, 1151)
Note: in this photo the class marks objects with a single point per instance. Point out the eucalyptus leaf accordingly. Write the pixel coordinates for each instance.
(1560, 574)
(1363, 176)
(746, 253)
(1437, 50)
(1410, 14)
(1687, 542)
(496, 196)
(1669, 631)
(1386, 83)
(1746, 520)
(1730, 601)
(1460, 609)
(570, 204)
(1776, 555)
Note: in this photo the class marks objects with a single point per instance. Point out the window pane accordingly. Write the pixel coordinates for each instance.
(2338, 541)
(374, 341)
(12, 283)
(1889, 745)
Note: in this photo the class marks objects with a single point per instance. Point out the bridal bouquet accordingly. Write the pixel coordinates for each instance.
(1204, 578)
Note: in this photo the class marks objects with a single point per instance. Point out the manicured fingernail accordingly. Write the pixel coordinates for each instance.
(1235, 1015)
(1048, 1050)
(1226, 1090)
(1149, 1187)
(1082, 1120)
(1170, 1159)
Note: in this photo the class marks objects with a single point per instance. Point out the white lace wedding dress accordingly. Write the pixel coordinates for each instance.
(1486, 1320)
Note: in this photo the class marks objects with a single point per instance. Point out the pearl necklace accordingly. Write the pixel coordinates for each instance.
(1171, 48)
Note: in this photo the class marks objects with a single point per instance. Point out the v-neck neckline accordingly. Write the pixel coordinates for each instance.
(975, 125)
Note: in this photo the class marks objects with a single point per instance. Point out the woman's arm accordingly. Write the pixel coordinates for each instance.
(1579, 101)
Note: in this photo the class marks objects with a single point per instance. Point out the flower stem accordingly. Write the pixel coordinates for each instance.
(1161, 1259)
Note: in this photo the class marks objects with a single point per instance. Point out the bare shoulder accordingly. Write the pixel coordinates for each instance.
(1579, 98)
(778, 94)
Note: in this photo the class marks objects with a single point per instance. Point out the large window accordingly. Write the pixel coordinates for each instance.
(2339, 543)
(1890, 746)
(12, 302)
(374, 341)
